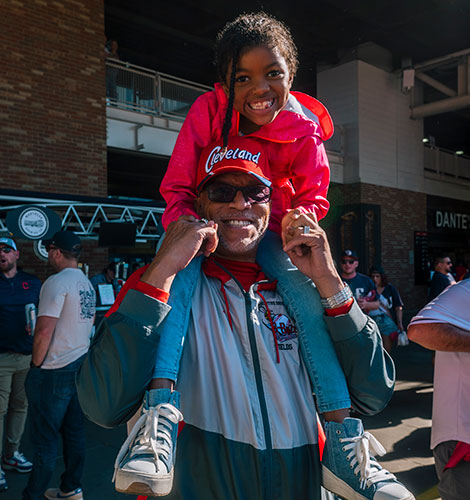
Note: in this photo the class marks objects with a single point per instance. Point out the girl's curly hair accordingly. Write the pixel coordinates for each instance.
(248, 31)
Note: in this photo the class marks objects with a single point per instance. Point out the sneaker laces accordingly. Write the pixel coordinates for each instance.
(370, 470)
(152, 434)
(19, 457)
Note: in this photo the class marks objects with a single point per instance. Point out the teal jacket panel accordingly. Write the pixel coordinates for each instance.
(118, 367)
(369, 370)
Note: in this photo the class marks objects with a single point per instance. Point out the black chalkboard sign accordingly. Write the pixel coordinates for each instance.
(421, 258)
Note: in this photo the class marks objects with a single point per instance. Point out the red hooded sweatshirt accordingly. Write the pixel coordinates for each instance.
(293, 142)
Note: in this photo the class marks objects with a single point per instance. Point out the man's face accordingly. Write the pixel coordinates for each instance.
(241, 224)
(8, 258)
(348, 267)
(110, 275)
(444, 266)
(52, 255)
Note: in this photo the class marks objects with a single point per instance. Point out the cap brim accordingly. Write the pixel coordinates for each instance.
(228, 169)
(8, 244)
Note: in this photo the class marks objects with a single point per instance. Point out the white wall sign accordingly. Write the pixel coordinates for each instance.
(452, 220)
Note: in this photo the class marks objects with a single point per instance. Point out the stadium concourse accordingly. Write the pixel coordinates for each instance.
(403, 428)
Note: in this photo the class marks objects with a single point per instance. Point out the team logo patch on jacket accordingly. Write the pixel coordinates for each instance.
(285, 328)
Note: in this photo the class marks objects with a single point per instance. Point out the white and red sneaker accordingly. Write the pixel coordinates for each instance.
(17, 462)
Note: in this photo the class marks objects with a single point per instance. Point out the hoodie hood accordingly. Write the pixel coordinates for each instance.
(302, 116)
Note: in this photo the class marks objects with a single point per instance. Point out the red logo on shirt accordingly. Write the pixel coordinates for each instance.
(25, 285)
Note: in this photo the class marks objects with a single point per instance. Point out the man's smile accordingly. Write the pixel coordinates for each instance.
(236, 222)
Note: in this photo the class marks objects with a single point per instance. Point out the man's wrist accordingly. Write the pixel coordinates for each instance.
(157, 275)
(32, 365)
(329, 285)
(339, 299)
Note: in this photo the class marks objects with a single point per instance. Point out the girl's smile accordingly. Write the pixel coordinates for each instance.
(262, 85)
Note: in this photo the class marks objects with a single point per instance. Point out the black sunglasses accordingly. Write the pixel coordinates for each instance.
(225, 193)
(6, 249)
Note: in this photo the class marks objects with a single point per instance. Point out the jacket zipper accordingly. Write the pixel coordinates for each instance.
(261, 396)
(259, 386)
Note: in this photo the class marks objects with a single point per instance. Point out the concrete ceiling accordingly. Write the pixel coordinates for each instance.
(177, 38)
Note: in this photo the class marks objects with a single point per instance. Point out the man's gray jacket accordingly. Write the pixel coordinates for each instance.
(242, 399)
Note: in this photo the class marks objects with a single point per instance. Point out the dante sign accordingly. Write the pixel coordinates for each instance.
(452, 220)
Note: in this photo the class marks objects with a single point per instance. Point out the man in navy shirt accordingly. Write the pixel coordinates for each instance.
(441, 278)
(17, 289)
(362, 287)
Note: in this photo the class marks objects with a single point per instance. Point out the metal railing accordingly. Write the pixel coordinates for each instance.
(141, 89)
(84, 218)
(446, 165)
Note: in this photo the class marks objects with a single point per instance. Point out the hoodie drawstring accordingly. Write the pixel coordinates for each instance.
(273, 328)
(229, 316)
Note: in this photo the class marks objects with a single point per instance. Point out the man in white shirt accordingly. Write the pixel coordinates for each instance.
(61, 340)
(444, 325)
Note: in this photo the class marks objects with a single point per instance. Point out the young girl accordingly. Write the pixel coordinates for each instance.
(256, 60)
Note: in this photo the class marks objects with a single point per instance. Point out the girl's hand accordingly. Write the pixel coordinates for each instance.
(288, 229)
(310, 252)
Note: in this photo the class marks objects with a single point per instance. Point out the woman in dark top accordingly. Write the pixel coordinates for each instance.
(391, 295)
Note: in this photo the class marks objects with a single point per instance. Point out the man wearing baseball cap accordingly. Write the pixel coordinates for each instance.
(61, 341)
(362, 287)
(249, 411)
(17, 289)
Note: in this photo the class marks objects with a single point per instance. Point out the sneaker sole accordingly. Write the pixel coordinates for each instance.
(134, 483)
(65, 498)
(12, 467)
(337, 486)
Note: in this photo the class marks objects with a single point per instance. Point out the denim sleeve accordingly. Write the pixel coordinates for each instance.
(118, 367)
(369, 370)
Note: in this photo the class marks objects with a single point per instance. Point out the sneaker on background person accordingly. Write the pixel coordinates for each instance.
(56, 493)
(350, 471)
(145, 462)
(17, 462)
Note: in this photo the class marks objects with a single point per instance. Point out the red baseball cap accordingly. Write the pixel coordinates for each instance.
(241, 155)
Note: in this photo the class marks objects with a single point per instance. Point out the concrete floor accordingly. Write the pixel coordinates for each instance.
(403, 428)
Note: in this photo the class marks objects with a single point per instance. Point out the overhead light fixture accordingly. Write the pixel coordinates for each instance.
(459, 152)
(425, 140)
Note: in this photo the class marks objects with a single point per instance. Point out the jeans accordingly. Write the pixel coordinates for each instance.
(14, 367)
(54, 410)
(302, 301)
(176, 323)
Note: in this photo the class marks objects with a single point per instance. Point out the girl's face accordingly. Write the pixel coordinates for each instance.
(377, 279)
(262, 85)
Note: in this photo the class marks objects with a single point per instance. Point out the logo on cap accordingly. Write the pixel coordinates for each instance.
(231, 154)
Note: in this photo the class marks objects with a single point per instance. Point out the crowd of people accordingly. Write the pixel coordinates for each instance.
(38, 364)
(241, 325)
